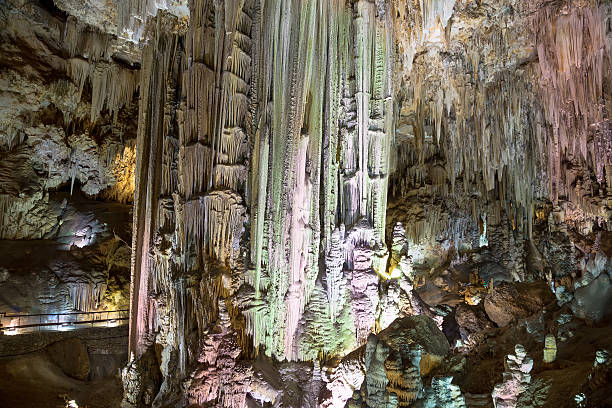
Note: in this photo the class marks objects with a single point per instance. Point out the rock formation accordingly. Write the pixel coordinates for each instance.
(516, 379)
(550, 348)
(443, 393)
(388, 370)
(360, 203)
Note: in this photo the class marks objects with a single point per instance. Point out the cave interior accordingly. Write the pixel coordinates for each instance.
(305, 203)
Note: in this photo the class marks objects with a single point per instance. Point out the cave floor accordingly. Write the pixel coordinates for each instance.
(33, 381)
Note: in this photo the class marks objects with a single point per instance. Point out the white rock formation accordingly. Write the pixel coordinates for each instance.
(516, 379)
(442, 394)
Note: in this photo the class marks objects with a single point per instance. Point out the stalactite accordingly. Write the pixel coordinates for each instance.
(335, 280)
(571, 53)
(121, 160)
(81, 39)
(111, 86)
(289, 156)
(478, 129)
(435, 13)
(170, 168)
(133, 15)
(86, 296)
(195, 168)
(514, 135)
(214, 142)
(78, 69)
(216, 221)
(415, 28)
(321, 336)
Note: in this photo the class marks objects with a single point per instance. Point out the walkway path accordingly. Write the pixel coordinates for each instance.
(11, 324)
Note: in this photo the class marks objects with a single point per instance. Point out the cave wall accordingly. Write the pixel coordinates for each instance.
(265, 206)
(303, 173)
(67, 151)
(269, 132)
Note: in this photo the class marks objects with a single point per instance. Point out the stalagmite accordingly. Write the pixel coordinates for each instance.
(516, 379)
(550, 348)
(443, 394)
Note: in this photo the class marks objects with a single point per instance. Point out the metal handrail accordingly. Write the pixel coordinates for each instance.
(25, 326)
(120, 316)
(3, 314)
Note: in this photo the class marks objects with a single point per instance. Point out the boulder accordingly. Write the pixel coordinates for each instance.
(592, 301)
(471, 320)
(421, 330)
(71, 356)
(509, 302)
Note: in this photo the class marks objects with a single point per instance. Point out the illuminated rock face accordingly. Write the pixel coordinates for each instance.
(308, 176)
(308, 172)
(68, 88)
(272, 173)
(388, 370)
(269, 136)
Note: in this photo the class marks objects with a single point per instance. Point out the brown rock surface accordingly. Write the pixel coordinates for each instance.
(420, 330)
(141, 380)
(510, 302)
(471, 320)
(71, 356)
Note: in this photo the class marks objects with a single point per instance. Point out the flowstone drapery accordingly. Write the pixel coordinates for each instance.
(322, 127)
(265, 129)
(267, 140)
(329, 195)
